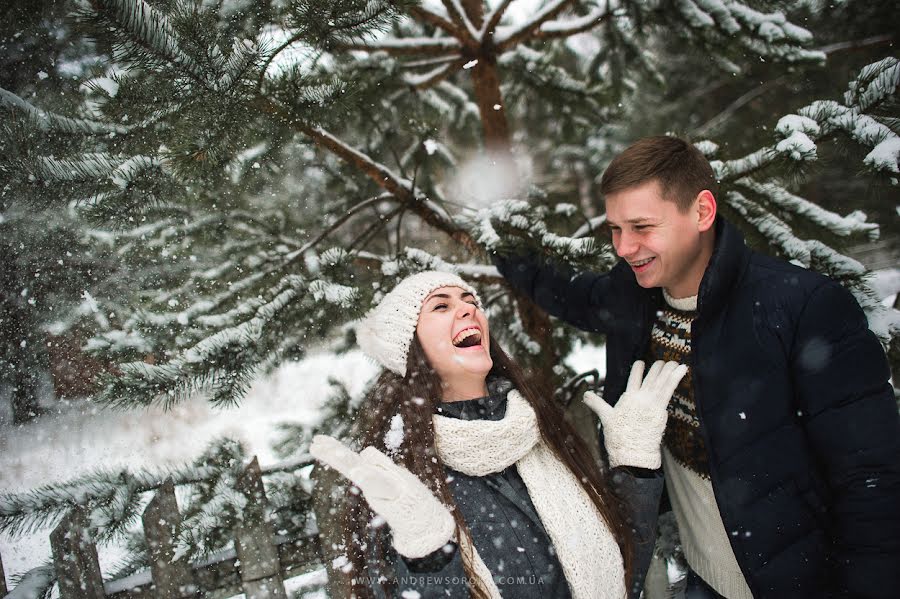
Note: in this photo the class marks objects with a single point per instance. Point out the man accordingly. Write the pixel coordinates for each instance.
(782, 448)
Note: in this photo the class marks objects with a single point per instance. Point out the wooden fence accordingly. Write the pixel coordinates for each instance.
(257, 566)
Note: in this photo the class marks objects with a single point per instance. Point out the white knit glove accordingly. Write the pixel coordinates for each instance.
(634, 428)
(419, 522)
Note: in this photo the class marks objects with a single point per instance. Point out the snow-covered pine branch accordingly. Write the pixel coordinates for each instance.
(139, 28)
(49, 121)
(506, 38)
(875, 83)
(36, 583)
(527, 223)
(568, 27)
(864, 129)
(768, 35)
(423, 46)
(823, 119)
(844, 226)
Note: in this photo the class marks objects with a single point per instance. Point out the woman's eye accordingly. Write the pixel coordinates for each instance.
(439, 306)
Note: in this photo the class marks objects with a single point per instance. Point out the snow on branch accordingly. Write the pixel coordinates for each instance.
(766, 34)
(88, 167)
(865, 130)
(844, 226)
(113, 501)
(461, 18)
(144, 27)
(565, 28)
(772, 27)
(492, 19)
(244, 56)
(49, 121)
(440, 21)
(823, 119)
(729, 170)
(37, 583)
(509, 38)
(775, 230)
(110, 494)
(521, 219)
(434, 76)
(411, 45)
(392, 182)
(876, 82)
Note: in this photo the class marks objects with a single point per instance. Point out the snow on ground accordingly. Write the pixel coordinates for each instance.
(61, 446)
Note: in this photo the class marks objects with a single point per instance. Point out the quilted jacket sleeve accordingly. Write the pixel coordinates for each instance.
(579, 299)
(851, 419)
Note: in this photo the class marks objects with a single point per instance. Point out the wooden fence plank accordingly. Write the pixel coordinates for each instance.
(257, 566)
(75, 558)
(3, 590)
(254, 541)
(172, 578)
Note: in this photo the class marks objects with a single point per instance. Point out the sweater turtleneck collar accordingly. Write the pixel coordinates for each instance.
(684, 304)
(489, 407)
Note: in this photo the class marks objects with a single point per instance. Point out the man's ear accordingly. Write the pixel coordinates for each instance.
(706, 210)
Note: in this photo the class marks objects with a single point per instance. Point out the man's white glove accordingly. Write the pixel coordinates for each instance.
(634, 428)
(419, 522)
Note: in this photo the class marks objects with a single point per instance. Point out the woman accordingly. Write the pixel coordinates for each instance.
(488, 491)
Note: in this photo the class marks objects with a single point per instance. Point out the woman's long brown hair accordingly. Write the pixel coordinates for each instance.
(415, 399)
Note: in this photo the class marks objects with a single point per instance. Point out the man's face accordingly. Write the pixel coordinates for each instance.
(662, 245)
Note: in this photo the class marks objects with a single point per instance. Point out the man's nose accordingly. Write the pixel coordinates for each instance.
(625, 245)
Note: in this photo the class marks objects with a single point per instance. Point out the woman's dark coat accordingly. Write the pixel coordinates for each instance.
(508, 533)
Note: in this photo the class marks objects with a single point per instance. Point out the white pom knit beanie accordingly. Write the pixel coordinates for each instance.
(386, 332)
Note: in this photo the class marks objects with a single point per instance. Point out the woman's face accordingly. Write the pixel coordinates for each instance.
(454, 333)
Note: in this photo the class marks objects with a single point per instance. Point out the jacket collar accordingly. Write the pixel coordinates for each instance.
(728, 259)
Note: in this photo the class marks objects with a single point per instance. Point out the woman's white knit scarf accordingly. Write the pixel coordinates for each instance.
(584, 544)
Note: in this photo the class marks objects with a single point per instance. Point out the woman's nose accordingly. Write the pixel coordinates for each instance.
(464, 309)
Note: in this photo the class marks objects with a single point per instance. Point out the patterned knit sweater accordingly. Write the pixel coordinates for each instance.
(703, 535)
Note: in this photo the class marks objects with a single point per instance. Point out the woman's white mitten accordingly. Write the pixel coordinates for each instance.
(420, 524)
(633, 429)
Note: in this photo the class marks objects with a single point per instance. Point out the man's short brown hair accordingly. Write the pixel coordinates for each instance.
(681, 169)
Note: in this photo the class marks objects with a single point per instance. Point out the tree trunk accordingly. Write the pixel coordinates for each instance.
(535, 322)
(486, 83)
(475, 11)
(22, 363)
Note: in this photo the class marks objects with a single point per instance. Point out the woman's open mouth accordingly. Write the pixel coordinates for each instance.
(469, 337)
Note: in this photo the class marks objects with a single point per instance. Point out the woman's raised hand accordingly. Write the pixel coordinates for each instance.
(419, 522)
(634, 428)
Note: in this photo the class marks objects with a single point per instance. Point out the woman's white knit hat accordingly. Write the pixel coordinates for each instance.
(386, 332)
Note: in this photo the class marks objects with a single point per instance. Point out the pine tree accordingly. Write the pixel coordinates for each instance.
(264, 173)
(47, 256)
